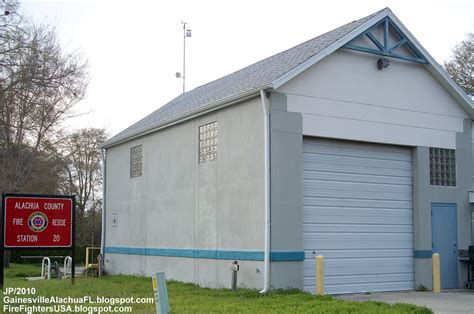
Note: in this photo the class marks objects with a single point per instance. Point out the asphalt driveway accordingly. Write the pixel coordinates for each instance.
(450, 301)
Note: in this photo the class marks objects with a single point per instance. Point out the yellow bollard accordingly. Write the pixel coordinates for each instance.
(436, 274)
(320, 275)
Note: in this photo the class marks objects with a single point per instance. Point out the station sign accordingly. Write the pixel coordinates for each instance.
(37, 221)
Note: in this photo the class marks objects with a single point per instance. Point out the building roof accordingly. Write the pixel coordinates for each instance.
(268, 73)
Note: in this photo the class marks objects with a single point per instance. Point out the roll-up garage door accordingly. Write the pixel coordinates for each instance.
(358, 214)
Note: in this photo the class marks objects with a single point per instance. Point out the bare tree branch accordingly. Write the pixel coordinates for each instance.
(461, 65)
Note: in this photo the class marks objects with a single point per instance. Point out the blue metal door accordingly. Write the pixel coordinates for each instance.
(444, 232)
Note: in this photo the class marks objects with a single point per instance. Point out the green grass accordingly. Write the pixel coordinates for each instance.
(188, 298)
(22, 270)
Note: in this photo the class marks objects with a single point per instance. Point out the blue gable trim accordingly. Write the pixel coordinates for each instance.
(384, 49)
(208, 254)
(423, 253)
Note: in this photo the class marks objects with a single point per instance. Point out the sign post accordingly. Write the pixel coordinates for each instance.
(161, 293)
(37, 222)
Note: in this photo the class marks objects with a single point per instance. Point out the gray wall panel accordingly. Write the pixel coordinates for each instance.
(426, 194)
(178, 203)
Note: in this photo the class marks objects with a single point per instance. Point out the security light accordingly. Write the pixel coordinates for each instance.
(178, 75)
(382, 63)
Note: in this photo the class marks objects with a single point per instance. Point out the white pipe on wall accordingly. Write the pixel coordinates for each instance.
(266, 121)
(104, 170)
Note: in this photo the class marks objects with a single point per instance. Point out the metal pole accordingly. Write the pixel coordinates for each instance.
(2, 256)
(184, 55)
(161, 293)
(319, 275)
(235, 269)
(436, 273)
(104, 178)
(73, 253)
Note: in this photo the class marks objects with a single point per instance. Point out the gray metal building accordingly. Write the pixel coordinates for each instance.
(355, 145)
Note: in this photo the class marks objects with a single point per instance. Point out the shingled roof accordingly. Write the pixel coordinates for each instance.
(265, 74)
(253, 76)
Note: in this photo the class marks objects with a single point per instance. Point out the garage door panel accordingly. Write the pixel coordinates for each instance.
(363, 287)
(353, 227)
(356, 150)
(354, 240)
(377, 253)
(363, 279)
(349, 168)
(368, 164)
(358, 214)
(356, 178)
(317, 188)
(357, 203)
(341, 194)
(364, 267)
(330, 147)
(328, 193)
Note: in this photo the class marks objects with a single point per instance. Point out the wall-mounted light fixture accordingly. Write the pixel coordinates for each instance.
(382, 63)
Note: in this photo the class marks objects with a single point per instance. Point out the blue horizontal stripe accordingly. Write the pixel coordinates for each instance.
(240, 255)
(423, 253)
(208, 254)
(287, 256)
(164, 252)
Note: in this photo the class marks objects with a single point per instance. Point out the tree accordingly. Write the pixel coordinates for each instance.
(8, 16)
(39, 85)
(82, 176)
(461, 65)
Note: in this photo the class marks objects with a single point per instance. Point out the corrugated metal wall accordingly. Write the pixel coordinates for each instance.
(358, 214)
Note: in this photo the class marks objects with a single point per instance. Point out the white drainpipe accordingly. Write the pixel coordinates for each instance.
(266, 132)
(104, 175)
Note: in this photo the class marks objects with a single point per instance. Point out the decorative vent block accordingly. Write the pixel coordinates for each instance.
(136, 161)
(442, 167)
(208, 142)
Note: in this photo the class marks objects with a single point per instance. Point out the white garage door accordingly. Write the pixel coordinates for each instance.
(358, 214)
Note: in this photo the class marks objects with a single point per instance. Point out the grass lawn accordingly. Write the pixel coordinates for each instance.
(188, 298)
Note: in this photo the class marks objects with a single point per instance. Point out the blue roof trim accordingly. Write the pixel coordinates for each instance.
(208, 254)
(385, 49)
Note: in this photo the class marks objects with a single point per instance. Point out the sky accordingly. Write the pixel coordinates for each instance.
(134, 48)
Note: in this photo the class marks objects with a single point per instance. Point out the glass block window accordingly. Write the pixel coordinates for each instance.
(442, 167)
(136, 161)
(208, 142)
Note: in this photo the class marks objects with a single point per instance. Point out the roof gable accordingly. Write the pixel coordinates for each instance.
(432, 66)
(386, 39)
(275, 71)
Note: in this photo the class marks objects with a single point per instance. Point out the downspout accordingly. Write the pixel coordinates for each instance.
(104, 176)
(266, 123)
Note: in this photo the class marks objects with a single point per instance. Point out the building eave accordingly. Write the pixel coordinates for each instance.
(208, 108)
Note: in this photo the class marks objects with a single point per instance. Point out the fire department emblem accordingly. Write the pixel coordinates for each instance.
(37, 222)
